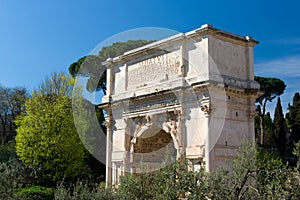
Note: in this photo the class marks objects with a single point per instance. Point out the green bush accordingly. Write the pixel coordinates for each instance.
(11, 177)
(175, 181)
(35, 193)
(82, 191)
(7, 151)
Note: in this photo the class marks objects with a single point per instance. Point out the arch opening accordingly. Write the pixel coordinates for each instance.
(154, 147)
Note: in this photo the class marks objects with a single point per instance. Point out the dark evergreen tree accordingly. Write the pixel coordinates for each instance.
(294, 118)
(279, 128)
(269, 133)
(272, 88)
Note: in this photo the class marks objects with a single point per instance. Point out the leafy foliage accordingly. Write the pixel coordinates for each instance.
(82, 191)
(280, 128)
(58, 84)
(89, 122)
(7, 151)
(172, 182)
(13, 174)
(270, 139)
(7, 180)
(297, 153)
(294, 118)
(256, 174)
(35, 193)
(47, 140)
(271, 88)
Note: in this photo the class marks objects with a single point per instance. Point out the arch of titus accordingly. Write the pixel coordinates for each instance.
(189, 95)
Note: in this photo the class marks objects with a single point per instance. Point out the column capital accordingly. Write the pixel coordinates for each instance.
(205, 106)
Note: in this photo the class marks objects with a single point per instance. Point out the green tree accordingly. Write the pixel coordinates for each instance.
(243, 169)
(272, 176)
(280, 128)
(294, 118)
(271, 87)
(47, 140)
(89, 122)
(270, 140)
(58, 83)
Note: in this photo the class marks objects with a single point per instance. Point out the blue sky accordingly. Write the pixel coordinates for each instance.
(41, 37)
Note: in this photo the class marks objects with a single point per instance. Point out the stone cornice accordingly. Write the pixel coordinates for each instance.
(208, 29)
(205, 29)
(161, 44)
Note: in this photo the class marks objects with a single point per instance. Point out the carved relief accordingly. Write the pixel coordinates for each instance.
(171, 127)
(149, 124)
(142, 124)
(206, 106)
(206, 109)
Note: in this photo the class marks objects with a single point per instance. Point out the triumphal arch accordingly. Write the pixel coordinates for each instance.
(188, 95)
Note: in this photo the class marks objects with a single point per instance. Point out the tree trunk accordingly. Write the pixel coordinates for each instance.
(3, 136)
(262, 123)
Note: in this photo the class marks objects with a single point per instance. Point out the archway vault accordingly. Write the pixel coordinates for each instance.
(153, 139)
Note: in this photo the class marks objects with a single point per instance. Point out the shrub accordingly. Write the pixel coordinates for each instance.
(35, 193)
(7, 151)
(11, 176)
(175, 181)
(82, 191)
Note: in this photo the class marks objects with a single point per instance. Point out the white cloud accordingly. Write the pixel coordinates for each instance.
(287, 69)
(285, 41)
(281, 67)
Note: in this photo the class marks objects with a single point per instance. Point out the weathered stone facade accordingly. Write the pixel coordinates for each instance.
(188, 95)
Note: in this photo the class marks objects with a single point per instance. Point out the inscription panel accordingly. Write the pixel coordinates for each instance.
(156, 69)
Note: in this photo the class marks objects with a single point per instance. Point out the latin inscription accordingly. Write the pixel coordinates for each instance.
(166, 59)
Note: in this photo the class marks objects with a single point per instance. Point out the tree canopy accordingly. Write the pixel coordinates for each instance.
(293, 117)
(58, 83)
(91, 65)
(280, 128)
(271, 88)
(47, 139)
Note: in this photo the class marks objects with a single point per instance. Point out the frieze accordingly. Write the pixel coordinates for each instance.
(158, 68)
(153, 105)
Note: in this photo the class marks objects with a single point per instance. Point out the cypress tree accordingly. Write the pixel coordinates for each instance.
(279, 128)
(294, 118)
(296, 98)
(270, 140)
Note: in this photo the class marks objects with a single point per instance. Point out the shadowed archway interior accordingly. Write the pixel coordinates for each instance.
(155, 147)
